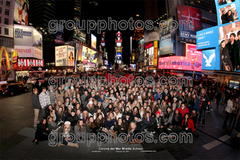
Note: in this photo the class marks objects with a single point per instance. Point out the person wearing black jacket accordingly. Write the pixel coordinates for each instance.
(224, 17)
(42, 131)
(203, 102)
(72, 118)
(159, 123)
(36, 106)
(148, 122)
(233, 51)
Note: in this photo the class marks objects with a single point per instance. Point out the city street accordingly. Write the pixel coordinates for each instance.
(17, 133)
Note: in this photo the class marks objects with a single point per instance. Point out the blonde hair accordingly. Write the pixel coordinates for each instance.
(35, 89)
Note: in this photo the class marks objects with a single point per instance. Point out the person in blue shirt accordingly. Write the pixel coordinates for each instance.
(158, 95)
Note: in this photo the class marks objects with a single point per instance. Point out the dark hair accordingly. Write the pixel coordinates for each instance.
(238, 33)
(25, 3)
(233, 34)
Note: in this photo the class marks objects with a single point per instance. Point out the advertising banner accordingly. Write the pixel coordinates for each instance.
(30, 63)
(223, 40)
(28, 42)
(71, 59)
(155, 53)
(132, 66)
(227, 11)
(21, 9)
(190, 21)
(207, 38)
(59, 37)
(167, 41)
(208, 59)
(61, 55)
(79, 35)
(191, 62)
(79, 52)
(93, 41)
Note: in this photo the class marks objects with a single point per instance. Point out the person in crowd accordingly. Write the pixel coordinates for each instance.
(36, 106)
(120, 127)
(183, 109)
(60, 116)
(79, 129)
(229, 110)
(132, 131)
(44, 100)
(85, 115)
(168, 116)
(52, 95)
(90, 125)
(51, 124)
(42, 131)
(187, 124)
(159, 123)
(148, 123)
(66, 136)
(59, 94)
(110, 120)
(203, 102)
(236, 107)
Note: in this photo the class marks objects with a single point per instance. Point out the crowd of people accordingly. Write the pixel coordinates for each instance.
(87, 107)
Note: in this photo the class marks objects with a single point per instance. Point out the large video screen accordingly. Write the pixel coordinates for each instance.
(229, 38)
(221, 44)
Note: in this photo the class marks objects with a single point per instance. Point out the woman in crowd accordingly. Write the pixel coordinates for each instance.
(59, 95)
(99, 123)
(66, 136)
(148, 122)
(80, 129)
(132, 131)
(42, 131)
(51, 124)
(109, 123)
(90, 125)
(228, 110)
(168, 116)
(187, 124)
(85, 115)
(59, 104)
(60, 116)
(120, 127)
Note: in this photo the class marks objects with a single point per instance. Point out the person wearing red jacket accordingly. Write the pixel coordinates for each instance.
(183, 110)
(187, 124)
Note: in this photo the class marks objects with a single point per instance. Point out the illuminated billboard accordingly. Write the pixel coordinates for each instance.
(89, 55)
(132, 66)
(28, 42)
(191, 62)
(21, 9)
(190, 21)
(167, 41)
(93, 41)
(64, 55)
(221, 44)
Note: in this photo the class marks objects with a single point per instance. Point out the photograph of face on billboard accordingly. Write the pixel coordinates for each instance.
(70, 56)
(229, 37)
(21, 12)
(228, 14)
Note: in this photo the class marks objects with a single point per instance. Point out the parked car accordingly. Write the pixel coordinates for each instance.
(13, 89)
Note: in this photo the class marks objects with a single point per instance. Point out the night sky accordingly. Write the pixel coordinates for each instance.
(118, 10)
